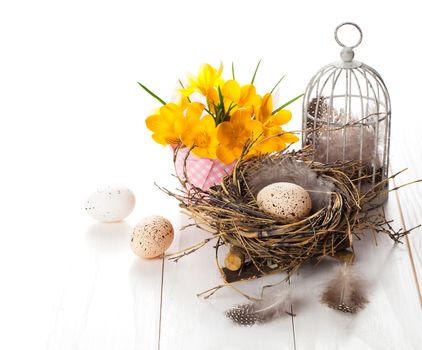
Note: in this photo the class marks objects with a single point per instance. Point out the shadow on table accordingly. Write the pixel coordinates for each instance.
(108, 237)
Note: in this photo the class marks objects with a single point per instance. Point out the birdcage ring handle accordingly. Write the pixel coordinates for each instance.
(351, 24)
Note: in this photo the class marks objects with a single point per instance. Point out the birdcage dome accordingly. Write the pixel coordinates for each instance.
(347, 111)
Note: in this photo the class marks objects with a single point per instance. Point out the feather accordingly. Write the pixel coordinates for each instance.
(333, 142)
(287, 170)
(261, 311)
(346, 291)
(347, 140)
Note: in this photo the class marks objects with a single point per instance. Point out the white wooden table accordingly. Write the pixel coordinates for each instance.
(74, 284)
(72, 119)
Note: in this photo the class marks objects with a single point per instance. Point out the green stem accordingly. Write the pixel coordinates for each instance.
(151, 93)
(275, 86)
(181, 84)
(287, 103)
(256, 70)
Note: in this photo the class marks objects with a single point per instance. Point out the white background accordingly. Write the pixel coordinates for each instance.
(72, 119)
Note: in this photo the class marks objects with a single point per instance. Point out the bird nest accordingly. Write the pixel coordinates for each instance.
(263, 243)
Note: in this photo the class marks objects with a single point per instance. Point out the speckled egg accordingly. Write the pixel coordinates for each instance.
(288, 201)
(110, 204)
(152, 236)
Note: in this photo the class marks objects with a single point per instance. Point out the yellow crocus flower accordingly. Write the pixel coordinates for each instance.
(231, 91)
(249, 97)
(200, 133)
(274, 138)
(233, 134)
(240, 96)
(166, 123)
(206, 82)
(182, 101)
(265, 110)
(265, 113)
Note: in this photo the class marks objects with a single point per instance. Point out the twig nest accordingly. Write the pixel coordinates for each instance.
(152, 236)
(288, 201)
(235, 211)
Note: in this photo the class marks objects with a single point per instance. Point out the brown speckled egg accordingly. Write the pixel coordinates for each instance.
(288, 201)
(152, 236)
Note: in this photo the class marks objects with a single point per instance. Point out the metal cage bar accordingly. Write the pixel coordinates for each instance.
(347, 114)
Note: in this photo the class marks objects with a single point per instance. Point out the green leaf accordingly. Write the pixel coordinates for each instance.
(256, 70)
(232, 105)
(275, 86)
(209, 112)
(233, 71)
(287, 103)
(151, 93)
(220, 95)
(221, 113)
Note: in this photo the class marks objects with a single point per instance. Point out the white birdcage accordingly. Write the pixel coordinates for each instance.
(347, 114)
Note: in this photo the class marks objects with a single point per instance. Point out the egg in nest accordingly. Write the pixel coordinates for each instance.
(288, 201)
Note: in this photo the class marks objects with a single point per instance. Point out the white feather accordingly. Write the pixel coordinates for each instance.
(287, 170)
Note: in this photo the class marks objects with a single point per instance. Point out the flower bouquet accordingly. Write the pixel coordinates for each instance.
(212, 119)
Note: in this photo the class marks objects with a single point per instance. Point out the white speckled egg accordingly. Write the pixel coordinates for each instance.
(286, 200)
(152, 236)
(110, 204)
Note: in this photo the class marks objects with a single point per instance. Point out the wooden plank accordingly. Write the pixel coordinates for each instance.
(391, 320)
(189, 322)
(409, 156)
(111, 299)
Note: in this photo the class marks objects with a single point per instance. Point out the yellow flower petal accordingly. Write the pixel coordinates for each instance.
(231, 91)
(255, 127)
(225, 133)
(212, 96)
(225, 154)
(182, 102)
(189, 134)
(282, 117)
(194, 111)
(200, 152)
(265, 110)
(164, 124)
(219, 81)
(207, 80)
(168, 111)
(187, 91)
(154, 122)
(202, 135)
(209, 123)
(159, 138)
(269, 145)
(237, 151)
(247, 94)
(289, 138)
(206, 73)
(242, 116)
(209, 152)
(179, 125)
